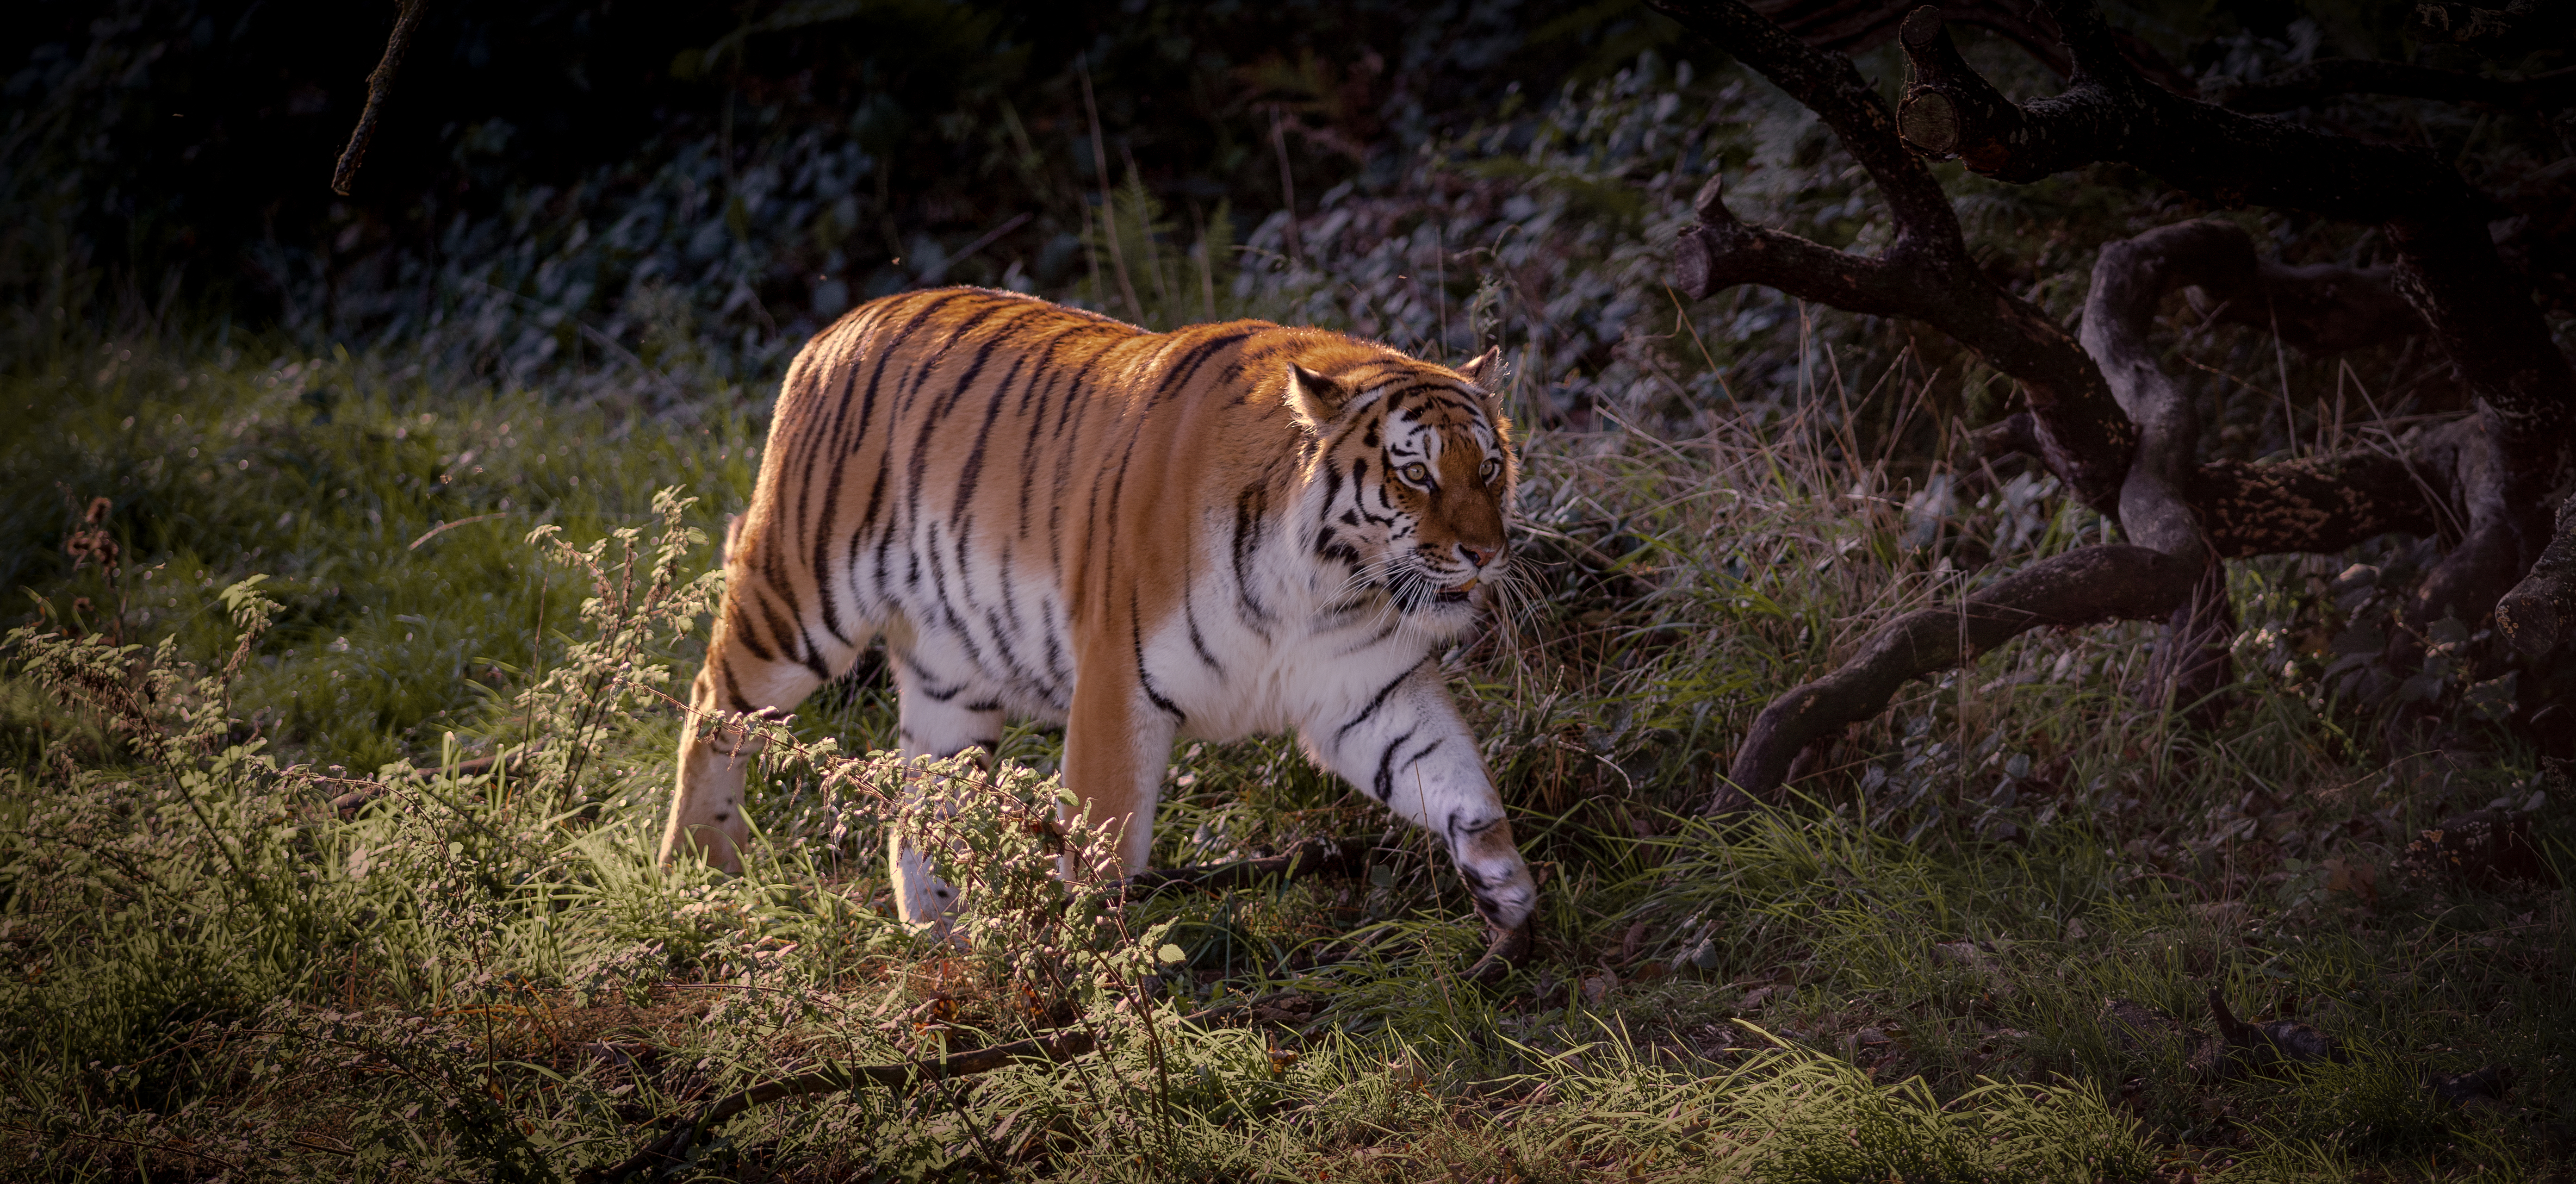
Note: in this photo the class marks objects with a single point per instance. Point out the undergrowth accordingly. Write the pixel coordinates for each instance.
(475, 969)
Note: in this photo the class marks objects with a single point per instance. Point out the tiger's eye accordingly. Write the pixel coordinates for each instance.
(1417, 473)
(1492, 472)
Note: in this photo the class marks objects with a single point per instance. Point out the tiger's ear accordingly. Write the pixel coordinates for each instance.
(1314, 398)
(1487, 367)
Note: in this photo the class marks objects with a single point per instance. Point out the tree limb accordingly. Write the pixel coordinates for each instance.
(380, 86)
(2447, 266)
(1925, 273)
(2130, 278)
(2080, 587)
(2322, 308)
(2108, 113)
(2318, 505)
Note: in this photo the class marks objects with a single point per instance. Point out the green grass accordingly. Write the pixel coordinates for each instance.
(484, 975)
(330, 476)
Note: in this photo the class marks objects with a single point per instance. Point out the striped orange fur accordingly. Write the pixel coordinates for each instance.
(1213, 532)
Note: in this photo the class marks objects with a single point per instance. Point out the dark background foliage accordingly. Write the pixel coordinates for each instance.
(163, 140)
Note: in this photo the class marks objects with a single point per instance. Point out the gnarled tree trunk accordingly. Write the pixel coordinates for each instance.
(2102, 414)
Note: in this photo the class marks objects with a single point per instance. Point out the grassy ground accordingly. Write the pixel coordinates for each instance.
(1904, 974)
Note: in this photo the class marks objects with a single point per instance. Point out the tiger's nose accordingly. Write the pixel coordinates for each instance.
(1478, 557)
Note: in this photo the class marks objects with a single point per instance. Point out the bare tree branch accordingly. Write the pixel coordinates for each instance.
(2318, 505)
(2322, 308)
(2130, 278)
(2080, 587)
(2186, 517)
(2108, 113)
(2447, 266)
(380, 86)
(1925, 273)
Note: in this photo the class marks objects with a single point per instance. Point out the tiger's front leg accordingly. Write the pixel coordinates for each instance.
(1116, 746)
(1407, 747)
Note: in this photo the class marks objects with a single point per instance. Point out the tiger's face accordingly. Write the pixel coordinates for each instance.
(1416, 465)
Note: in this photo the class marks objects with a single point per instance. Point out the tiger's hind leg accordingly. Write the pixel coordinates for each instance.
(937, 720)
(738, 678)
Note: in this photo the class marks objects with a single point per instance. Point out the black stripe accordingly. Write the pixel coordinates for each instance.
(840, 460)
(1136, 641)
(926, 678)
(738, 615)
(1197, 642)
(1250, 507)
(1033, 389)
(1179, 376)
(1002, 648)
(813, 654)
(778, 630)
(1376, 701)
(917, 465)
(733, 690)
(1386, 768)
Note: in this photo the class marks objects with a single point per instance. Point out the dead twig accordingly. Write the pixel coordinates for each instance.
(380, 86)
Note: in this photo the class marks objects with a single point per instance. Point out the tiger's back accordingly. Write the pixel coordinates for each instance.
(1051, 514)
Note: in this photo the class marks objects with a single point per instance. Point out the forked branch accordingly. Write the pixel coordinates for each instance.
(1925, 273)
(2103, 414)
(2447, 266)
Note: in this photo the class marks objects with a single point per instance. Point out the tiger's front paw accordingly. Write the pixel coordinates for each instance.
(1497, 878)
(1506, 950)
(1505, 900)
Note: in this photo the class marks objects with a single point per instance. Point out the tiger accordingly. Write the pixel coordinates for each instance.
(1208, 533)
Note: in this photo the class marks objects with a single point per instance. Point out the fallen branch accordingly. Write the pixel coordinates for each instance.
(2081, 587)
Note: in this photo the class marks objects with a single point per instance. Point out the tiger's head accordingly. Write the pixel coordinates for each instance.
(1416, 466)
